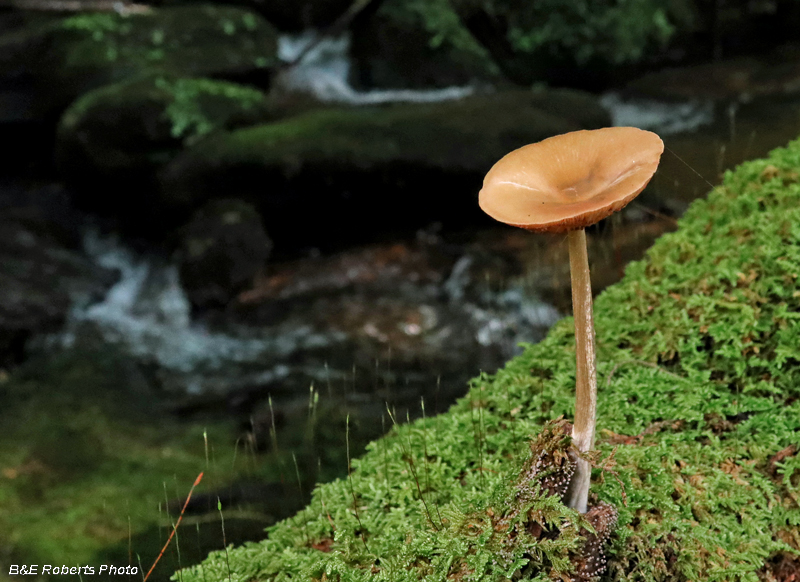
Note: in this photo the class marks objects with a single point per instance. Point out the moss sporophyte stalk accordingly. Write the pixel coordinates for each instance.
(698, 423)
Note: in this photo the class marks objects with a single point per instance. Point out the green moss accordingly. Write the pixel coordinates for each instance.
(87, 462)
(139, 124)
(443, 27)
(185, 40)
(699, 391)
(97, 24)
(457, 134)
(199, 106)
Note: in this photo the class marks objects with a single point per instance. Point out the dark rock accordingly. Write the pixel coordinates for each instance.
(390, 51)
(294, 16)
(341, 175)
(15, 106)
(28, 139)
(42, 272)
(222, 249)
(63, 58)
(114, 137)
(9, 20)
(21, 122)
(565, 45)
(289, 15)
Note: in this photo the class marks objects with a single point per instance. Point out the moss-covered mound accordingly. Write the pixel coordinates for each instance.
(66, 57)
(699, 422)
(115, 137)
(405, 164)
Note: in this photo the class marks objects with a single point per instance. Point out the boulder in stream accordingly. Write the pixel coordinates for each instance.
(316, 176)
(64, 57)
(222, 249)
(115, 137)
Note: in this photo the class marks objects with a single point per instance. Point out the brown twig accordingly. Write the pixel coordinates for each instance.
(175, 527)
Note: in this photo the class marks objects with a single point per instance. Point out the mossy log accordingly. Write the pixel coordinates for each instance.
(698, 422)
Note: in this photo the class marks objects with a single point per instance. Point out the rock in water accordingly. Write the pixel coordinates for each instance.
(223, 247)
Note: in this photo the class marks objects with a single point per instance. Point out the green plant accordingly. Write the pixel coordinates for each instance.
(191, 111)
(439, 20)
(607, 30)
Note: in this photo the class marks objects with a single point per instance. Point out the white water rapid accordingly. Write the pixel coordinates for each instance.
(324, 70)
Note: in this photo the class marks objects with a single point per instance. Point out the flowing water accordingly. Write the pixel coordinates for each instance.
(325, 67)
(342, 312)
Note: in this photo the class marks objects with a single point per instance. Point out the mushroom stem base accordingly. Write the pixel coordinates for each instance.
(577, 495)
(585, 370)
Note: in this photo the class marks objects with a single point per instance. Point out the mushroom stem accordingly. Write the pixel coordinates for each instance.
(586, 368)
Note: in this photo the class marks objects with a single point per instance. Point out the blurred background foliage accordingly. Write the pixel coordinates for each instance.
(582, 30)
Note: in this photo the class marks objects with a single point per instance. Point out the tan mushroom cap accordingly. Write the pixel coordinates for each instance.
(571, 181)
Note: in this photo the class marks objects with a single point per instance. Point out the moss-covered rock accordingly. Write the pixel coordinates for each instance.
(69, 56)
(317, 175)
(114, 137)
(416, 44)
(698, 418)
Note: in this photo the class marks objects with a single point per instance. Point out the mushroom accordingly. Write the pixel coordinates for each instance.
(566, 183)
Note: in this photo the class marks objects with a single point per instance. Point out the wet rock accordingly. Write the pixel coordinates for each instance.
(735, 79)
(116, 136)
(43, 274)
(65, 57)
(222, 249)
(15, 107)
(10, 20)
(382, 265)
(32, 138)
(316, 177)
